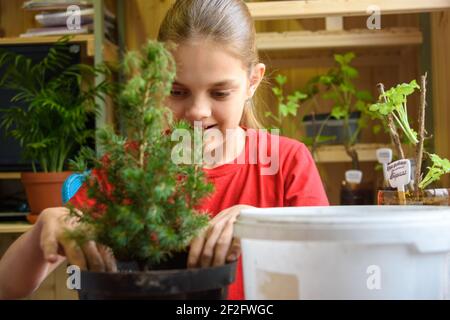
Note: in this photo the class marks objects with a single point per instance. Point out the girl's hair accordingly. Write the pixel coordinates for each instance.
(226, 22)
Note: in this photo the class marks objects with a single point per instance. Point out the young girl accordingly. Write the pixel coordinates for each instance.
(218, 73)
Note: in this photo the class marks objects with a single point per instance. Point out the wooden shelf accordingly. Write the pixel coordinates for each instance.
(274, 10)
(333, 154)
(338, 39)
(17, 227)
(9, 175)
(109, 48)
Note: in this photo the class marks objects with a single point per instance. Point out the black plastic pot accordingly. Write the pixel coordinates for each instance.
(356, 194)
(175, 284)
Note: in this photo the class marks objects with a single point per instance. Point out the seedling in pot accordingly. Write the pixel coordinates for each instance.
(393, 109)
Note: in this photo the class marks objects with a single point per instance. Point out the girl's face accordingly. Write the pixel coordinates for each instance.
(211, 86)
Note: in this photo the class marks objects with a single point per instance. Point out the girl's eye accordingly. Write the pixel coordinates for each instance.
(178, 93)
(220, 94)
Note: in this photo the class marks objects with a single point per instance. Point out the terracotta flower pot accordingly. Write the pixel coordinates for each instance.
(430, 197)
(43, 191)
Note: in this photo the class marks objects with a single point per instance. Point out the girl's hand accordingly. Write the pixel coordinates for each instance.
(215, 245)
(53, 241)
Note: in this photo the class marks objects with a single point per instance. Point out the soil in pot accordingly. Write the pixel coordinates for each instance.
(429, 197)
(168, 281)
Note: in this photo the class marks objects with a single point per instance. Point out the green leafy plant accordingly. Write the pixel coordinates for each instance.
(149, 212)
(395, 103)
(392, 106)
(287, 105)
(337, 86)
(436, 171)
(54, 102)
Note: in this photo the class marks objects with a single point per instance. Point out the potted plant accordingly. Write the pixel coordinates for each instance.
(148, 215)
(349, 115)
(392, 106)
(349, 104)
(54, 102)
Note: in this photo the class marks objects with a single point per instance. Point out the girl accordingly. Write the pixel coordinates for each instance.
(218, 73)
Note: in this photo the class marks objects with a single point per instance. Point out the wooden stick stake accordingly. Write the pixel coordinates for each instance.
(421, 133)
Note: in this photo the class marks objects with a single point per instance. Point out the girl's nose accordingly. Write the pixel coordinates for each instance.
(198, 110)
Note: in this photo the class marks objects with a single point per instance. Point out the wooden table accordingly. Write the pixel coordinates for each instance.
(14, 227)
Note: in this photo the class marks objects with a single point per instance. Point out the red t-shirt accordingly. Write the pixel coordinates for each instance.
(295, 181)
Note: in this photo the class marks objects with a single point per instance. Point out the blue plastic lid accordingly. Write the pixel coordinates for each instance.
(72, 184)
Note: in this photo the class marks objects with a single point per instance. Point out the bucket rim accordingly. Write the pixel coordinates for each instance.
(357, 215)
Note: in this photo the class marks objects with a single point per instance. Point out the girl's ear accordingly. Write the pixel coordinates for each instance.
(256, 77)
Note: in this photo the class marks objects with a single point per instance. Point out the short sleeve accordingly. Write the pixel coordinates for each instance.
(303, 186)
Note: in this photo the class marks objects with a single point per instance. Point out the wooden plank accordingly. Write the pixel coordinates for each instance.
(9, 175)
(45, 39)
(338, 39)
(109, 48)
(381, 60)
(273, 10)
(336, 153)
(440, 48)
(14, 227)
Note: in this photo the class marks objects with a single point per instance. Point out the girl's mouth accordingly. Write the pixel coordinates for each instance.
(209, 127)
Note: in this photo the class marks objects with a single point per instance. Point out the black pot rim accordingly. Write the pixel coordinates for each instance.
(160, 282)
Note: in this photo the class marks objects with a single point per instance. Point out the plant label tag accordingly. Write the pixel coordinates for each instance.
(353, 176)
(399, 173)
(384, 155)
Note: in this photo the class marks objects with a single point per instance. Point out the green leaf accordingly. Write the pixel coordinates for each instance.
(309, 141)
(323, 139)
(339, 112)
(292, 107)
(284, 110)
(347, 87)
(277, 91)
(331, 95)
(281, 79)
(362, 123)
(440, 167)
(376, 129)
(361, 106)
(326, 79)
(300, 95)
(344, 59)
(364, 95)
(350, 72)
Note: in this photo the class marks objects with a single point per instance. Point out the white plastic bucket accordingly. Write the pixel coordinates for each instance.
(345, 252)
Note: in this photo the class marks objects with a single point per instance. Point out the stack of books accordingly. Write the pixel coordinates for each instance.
(58, 18)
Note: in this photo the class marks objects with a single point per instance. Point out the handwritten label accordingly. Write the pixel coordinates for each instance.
(399, 173)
